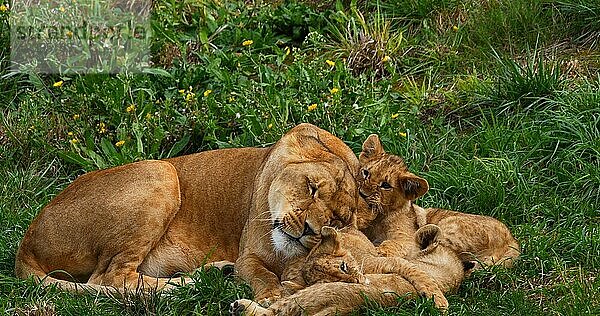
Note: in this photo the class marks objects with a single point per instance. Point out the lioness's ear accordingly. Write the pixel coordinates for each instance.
(371, 147)
(413, 186)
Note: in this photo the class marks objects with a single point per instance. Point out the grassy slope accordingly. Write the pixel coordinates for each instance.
(498, 108)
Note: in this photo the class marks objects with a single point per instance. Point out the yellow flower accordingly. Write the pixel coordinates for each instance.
(455, 28)
(62, 9)
(385, 59)
(287, 51)
(231, 99)
(148, 116)
(70, 133)
(31, 128)
(69, 34)
(395, 115)
(402, 134)
(330, 63)
(101, 128)
(182, 91)
(58, 84)
(189, 96)
(75, 116)
(207, 92)
(130, 108)
(270, 126)
(247, 42)
(74, 141)
(3, 8)
(120, 143)
(334, 90)
(312, 107)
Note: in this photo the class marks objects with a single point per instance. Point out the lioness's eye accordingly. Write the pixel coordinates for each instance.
(313, 189)
(344, 267)
(385, 185)
(365, 173)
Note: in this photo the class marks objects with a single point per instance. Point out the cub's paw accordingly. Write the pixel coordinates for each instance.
(244, 307)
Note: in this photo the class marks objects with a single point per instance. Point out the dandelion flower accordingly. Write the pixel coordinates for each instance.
(69, 34)
(402, 134)
(148, 116)
(270, 126)
(207, 93)
(455, 28)
(130, 108)
(74, 141)
(330, 62)
(385, 59)
(75, 116)
(189, 96)
(247, 42)
(62, 9)
(120, 143)
(58, 84)
(334, 90)
(312, 107)
(3, 8)
(395, 115)
(70, 133)
(101, 128)
(182, 91)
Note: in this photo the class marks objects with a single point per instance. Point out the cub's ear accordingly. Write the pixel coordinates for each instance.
(413, 186)
(371, 147)
(427, 237)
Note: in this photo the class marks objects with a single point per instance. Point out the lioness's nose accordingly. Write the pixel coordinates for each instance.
(307, 230)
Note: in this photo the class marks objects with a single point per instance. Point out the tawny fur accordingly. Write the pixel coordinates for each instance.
(435, 269)
(389, 189)
(396, 217)
(150, 220)
(475, 237)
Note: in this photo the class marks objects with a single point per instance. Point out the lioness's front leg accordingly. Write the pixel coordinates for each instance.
(265, 283)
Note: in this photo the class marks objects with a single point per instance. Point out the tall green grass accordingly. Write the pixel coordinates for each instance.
(478, 98)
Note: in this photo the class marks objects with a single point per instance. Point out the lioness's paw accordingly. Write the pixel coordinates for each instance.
(267, 301)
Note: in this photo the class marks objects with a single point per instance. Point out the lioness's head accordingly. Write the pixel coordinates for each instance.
(306, 196)
(384, 180)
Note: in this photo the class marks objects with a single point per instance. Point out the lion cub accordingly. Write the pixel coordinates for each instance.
(348, 256)
(389, 188)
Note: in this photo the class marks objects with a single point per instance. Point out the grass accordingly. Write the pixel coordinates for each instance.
(494, 103)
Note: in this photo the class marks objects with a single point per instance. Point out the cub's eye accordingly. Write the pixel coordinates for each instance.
(385, 185)
(365, 173)
(344, 267)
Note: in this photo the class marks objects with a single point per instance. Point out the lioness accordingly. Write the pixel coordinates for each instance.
(149, 220)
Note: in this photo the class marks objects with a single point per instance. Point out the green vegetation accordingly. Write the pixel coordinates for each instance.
(496, 103)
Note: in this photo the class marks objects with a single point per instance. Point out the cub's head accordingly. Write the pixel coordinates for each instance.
(306, 196)
(330, 262)
(384, 180)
